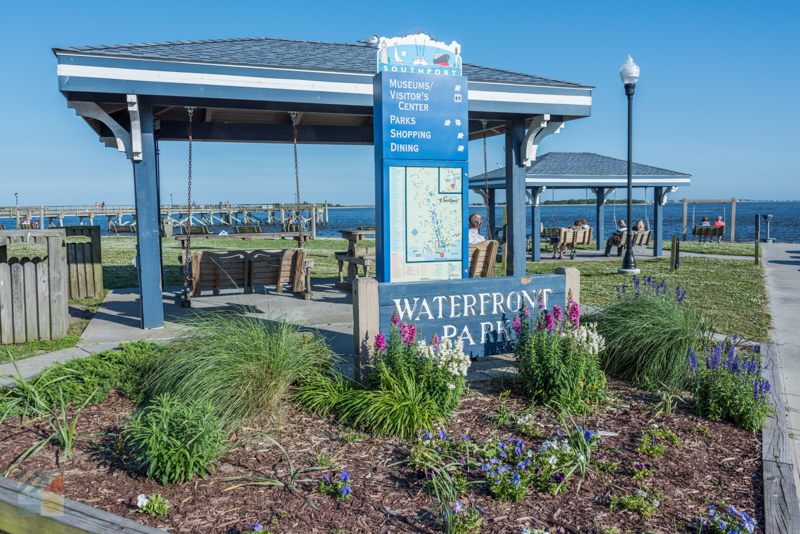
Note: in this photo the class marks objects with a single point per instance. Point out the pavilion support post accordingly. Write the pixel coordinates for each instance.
(313, 221)
(148, 257)
(733, 219)
(600, 215)
(658, 222)
(536, 224)
(492, 222)
(515, 198)
(685, 213)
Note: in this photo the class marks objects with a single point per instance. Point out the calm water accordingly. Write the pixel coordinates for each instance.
(785, 226)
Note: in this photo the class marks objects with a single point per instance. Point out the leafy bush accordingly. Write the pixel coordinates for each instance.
(176, 440)
(640, 502)
(558, 359)
(412, 385)
(155, 505)
(240, 365)
(730, 387)
(648, 334)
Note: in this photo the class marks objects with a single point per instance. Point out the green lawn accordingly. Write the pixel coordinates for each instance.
(118, 254)
(726, 249)
(730, 293)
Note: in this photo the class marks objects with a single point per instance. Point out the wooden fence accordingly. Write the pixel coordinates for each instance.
(84, 263)
(33, 292)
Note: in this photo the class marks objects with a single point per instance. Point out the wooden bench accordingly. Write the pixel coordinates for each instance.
(300, 237)
(201, 229)
(247, 269)
(482, 259)
(121, 228)
(640, 238)
(708, 231)
(247, 229)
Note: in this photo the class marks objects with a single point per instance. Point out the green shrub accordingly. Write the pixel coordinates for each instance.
(558, 359)
(730, 387)
(412, 385)
(648, 334)
(240, 364)
(175, 440)
(155, 505)
(81, 379)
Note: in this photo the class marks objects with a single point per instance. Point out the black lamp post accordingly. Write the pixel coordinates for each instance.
(630, 75)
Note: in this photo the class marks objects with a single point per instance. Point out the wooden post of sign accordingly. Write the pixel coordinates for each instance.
(572, 282)
(672, 254)
(365, 326)
(758, 237)
(326, 213)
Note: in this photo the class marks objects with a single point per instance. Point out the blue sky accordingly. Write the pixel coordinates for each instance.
(717, 97)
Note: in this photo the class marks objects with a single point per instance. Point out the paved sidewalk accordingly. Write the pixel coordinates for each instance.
(782, 276)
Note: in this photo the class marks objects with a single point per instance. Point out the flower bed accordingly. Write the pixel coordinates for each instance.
(713, 463)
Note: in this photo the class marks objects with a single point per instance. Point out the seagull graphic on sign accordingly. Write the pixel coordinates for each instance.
(461, 148)
(458, 87)
(458, 122)
(447, 122)
(461, 135)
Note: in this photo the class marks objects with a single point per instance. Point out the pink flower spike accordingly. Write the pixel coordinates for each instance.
(517, 325)
(395, 318)
(380, 343)
(557, 313)
(435, 341)
(550, 324)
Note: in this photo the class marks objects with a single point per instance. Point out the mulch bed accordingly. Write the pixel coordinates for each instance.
(724, 467)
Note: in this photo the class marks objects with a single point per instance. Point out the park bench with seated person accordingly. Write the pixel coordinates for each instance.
(482, 259)
(708, 231)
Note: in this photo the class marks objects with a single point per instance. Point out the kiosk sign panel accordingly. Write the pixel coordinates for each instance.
(421, 153)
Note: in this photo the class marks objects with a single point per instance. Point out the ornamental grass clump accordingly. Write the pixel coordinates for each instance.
(558, 358)
(730, 386)
(241, 365)
(648, 333)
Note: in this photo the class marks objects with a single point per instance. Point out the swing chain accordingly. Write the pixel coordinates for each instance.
(486, 179)
(187, 261)
(296, 169)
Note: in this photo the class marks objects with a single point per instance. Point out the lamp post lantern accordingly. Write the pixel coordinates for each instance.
(629, 73)
(171, 202)
(16, 196)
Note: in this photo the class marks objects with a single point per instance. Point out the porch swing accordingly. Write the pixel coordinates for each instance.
(241, 269)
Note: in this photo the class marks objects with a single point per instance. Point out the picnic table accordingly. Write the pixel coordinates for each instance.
(354, 256)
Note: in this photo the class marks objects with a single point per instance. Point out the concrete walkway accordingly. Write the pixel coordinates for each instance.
(782, 276)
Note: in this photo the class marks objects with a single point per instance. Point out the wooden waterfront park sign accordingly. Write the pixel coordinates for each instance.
(421, 121)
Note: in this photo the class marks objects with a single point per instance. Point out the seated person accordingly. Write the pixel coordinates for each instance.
(585, 224)
(719, 222)
(616, 239)
(475, 223)
(577, 225)
(639, 226)
(704, 222)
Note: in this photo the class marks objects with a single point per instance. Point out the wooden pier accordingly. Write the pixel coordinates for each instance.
(220, 214)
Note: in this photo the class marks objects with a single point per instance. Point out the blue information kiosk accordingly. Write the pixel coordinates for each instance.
(421, 119)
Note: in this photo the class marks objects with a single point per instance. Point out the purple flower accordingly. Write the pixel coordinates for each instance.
(518, 451)
(515, 478)
(549, 322)
(465, 437)
(442, 435)
(380, 343)
(257, 527)
(588, 435)
(345, 476)
(692, 359)
(494, 461)
(486, 467)
(345, 491)
(458, 507)
(557, 313)
(503, 455)
(395, 318)
(558, 431)
(601, 457)
(328, 480)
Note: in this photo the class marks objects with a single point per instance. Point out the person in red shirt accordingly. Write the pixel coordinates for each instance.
(719, 222)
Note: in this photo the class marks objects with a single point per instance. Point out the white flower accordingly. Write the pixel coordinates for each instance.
(580, 457)
(653, 426)
(451, 386)
(552, 460)
(656, 503)
(142, 500)
(641, 493)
